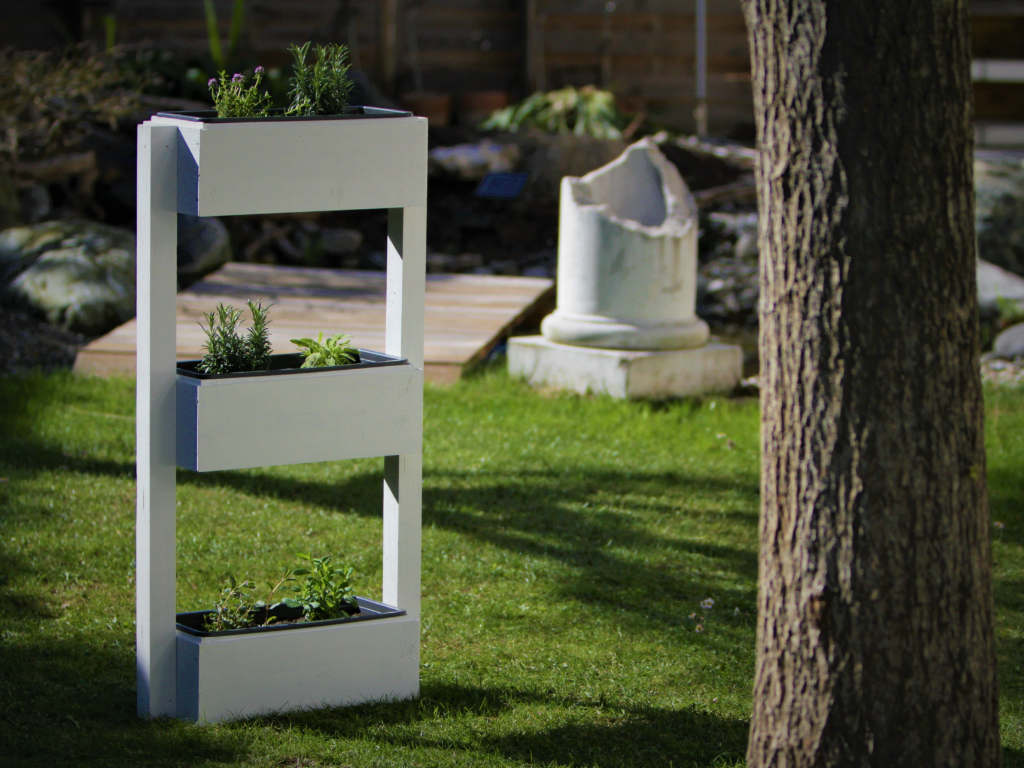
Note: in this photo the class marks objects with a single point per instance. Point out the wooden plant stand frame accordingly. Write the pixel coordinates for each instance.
(262, 167)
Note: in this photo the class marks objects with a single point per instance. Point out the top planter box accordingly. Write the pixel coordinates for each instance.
(366, 158)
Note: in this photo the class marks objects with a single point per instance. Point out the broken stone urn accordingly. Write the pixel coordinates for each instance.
(627, 257)
(626, 321)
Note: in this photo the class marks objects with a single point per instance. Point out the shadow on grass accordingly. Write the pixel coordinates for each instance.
(72, 702)
(550, 515)
(602, 734)
(1005, 491)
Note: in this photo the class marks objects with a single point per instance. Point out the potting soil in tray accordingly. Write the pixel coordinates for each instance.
(193, 622)
(291, 363)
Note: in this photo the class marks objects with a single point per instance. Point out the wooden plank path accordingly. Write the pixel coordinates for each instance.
(465, 316)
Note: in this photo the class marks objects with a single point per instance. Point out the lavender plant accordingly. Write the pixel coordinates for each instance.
(240, 95)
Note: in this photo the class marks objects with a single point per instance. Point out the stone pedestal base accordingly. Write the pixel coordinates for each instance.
(625, 374)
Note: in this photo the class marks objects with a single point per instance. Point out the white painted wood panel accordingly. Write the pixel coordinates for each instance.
(154, 423)
(225, 678)
(288, 167)
(292, 419)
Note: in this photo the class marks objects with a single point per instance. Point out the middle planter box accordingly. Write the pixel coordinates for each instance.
(294, 416)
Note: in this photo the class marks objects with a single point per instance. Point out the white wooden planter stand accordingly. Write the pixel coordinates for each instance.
(222, 169)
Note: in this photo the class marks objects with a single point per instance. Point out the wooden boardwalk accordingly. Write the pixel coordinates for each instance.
(465, 315)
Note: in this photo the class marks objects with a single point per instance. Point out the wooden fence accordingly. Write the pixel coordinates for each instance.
(644, 50)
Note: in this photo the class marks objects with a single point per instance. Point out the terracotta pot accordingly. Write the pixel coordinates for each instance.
(436, 107)
(477, 106)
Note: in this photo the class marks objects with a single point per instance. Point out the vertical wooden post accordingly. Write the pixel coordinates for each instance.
(388, 31)
(156, 246)
(403, 474)
(700, 110)
(534, 25)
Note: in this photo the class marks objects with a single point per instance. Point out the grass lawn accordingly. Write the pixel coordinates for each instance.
(568, 546)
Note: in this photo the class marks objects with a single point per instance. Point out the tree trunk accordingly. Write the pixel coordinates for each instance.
(875, 639)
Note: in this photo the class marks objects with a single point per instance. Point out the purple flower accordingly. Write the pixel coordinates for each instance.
(259, 70)
(237, 77)
(211, 82)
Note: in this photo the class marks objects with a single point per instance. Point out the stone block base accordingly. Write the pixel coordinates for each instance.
(655, 374)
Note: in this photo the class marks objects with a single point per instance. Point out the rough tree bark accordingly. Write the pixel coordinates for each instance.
(875, 638)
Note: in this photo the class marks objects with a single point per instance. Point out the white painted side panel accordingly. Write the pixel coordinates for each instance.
(402, 533)
(314, 165)
(226, 678)
(266, 420)
(154, 424)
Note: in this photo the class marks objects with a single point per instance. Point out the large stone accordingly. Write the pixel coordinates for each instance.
(10, 207)
(203, 246)
(1010, 343)
(626, 374)
(999, 209)
(997, 285)
(472, 162)
(82, 275)
(627, 257)
(548, 158)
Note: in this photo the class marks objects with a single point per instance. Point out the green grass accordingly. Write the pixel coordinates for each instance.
(568, 544)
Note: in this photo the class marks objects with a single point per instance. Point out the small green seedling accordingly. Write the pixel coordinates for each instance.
(327, 592)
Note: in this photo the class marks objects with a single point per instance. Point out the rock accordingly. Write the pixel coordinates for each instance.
(10, 206)
(340, 241)
(999, 209)
(36, 203)
(1010, 343)
(451, 262)
(549, 158)
(82, 277)
(471, 162)
(727, 235)
(996, 284)
(746, 246)
(203, 246)
(538, 270)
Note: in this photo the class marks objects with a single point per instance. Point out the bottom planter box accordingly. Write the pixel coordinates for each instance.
(228, 675)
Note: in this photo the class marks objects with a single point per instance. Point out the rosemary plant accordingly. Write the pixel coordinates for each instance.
(226, 350)
(320, 87)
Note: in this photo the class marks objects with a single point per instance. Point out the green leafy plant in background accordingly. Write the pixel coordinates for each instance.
(226, 350)
(320, 353)
(586, 111)
(220, 61)
(321, 86)
(327, 592)
(240, 95)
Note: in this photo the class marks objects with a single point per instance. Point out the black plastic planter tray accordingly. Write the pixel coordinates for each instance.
(192, 622)
(289, 363)
(349, 113)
